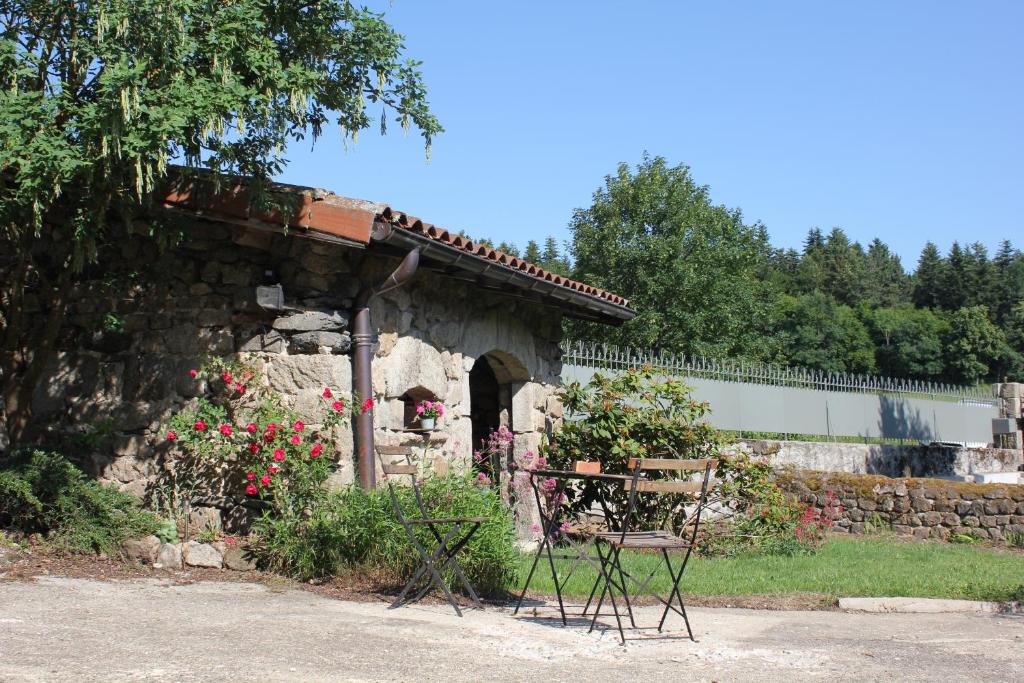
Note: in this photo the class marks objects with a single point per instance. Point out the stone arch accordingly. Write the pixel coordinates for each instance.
(496, 382)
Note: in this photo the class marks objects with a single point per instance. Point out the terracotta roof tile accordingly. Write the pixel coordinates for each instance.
(404, 221)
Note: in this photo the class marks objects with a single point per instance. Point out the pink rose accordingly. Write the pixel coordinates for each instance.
(279, 455)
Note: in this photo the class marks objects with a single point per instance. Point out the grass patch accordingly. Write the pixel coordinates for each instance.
(842, 567)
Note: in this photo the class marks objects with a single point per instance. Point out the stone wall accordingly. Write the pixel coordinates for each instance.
(887, 460)
(132, 335)
(923, 508)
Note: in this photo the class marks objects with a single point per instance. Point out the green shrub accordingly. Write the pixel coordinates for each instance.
(639, 413)
(43, 492)
(354, 529)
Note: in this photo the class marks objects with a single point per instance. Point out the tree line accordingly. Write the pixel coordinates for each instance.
(705, 282)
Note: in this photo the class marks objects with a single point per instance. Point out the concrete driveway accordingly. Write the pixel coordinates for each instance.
(59, 629)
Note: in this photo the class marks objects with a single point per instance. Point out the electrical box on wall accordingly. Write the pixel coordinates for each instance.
(1004, 425)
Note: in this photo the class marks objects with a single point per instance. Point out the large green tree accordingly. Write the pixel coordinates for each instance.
(98, 96)
(689, 266)
(815, 331)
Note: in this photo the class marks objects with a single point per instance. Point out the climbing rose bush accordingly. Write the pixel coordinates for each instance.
(239, 437)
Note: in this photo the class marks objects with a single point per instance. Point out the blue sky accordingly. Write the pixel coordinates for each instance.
(900, 120)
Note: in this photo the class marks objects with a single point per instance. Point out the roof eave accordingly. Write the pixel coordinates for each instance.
(573, 303)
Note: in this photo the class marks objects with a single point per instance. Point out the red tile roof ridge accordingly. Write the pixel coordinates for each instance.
(404, 221)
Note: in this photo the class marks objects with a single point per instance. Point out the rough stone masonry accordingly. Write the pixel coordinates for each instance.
(132, 335)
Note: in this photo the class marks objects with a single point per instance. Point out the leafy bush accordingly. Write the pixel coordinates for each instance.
(637, 414)
(42, 492)
(357, 529)
(643, 413)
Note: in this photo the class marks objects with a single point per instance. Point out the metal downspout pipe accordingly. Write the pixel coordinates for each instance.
(363, 340)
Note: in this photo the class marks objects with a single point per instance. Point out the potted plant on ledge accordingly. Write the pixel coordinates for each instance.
(429, 412)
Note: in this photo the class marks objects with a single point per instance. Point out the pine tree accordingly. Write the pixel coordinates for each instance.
(532, 253)
(928, 278)
(955, 285)
(886, 282)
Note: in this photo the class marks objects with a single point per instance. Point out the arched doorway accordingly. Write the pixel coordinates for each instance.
(484, 401)
(494, 380)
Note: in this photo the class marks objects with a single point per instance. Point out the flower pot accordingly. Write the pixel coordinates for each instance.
(427, 422)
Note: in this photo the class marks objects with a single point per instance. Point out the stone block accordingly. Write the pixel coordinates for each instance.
(142, 550)
(971, 521)
(197, 554)
(204, 518)
(921, 504)
(413, 363)
(293, 374)
(312, 321)
(168, 556)
(867, 504)
(950, 519)
(445, 334)
(902, 529)
(922, 532)
(931, 518)
(271, 342)
(239, 559)
(941, 533)
(312, 342)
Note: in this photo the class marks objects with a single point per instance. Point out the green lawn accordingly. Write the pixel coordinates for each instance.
(842, 567)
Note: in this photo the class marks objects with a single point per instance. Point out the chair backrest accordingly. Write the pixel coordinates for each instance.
(401, 468)
(688, 486)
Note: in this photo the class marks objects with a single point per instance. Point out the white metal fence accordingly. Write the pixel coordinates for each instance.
(758, 397)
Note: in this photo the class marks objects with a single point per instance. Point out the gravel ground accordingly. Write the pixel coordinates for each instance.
(75, 629)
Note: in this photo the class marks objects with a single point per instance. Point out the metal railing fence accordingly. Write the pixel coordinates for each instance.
(611, 357)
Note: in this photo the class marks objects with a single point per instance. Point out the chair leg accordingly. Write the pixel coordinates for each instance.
(593, 591)
(604, 589)
(554, 579)
(529, 577)
(625, 589)
(676, 579)
(450, 559)
(609, 589)
(442, 548)
(428, 562)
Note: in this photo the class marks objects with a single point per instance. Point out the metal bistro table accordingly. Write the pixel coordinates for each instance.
(550, 523)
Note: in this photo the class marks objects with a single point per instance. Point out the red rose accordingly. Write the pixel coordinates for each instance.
(265, 480)
(254, 448)
(279, 455)
(251, 476)
(171, 436)
(251, 489)
(316, 451)
(225, 429)
(367, 406)
(239, 387)
(298, 426)
(296, 439)
(193, 373)
(327, 392)
(200, 426)
(338, 406)
(226, 376)
(272, 469)
(251, 427)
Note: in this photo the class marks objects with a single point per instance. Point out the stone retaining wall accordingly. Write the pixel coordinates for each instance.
(923, 508)
(887, 460)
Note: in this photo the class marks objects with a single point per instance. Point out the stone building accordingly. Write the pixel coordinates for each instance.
(471, 326)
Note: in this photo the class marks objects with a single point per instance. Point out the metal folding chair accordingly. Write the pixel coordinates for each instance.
(610, 544)
(435, 563)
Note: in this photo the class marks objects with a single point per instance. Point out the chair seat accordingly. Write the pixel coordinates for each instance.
(449, 520)
(643, 539)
